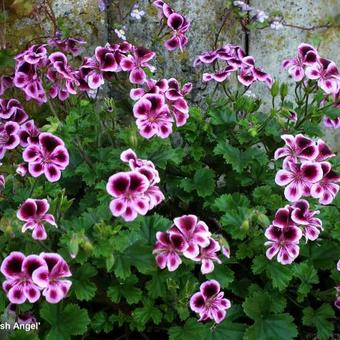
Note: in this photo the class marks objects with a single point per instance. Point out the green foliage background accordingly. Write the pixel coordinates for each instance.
(220, 167)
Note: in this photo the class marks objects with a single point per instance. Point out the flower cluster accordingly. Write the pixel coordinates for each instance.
(177, 23)
(290, 224)
(188, 237)
(34, 213)
(27, 277)
(337, 300)
(44, 152)
(135, 191)
(254, 13)
(22, 318)
(305, 169)
(158, 105)
(68, 45)
(210, 302)
(332, 123)
(309, 66)
(234, 59)
(305, 173)
(40, 73)
(137, 13)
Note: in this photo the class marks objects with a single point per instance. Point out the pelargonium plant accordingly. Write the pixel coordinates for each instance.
(155, 213)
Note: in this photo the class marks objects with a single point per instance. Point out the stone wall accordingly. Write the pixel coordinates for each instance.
(84, 19)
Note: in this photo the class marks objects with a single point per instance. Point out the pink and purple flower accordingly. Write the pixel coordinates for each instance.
(34, 213)
(210, 302)
(49, 157)
(283, 242)
(9, 138)
(18, 270)
(298, 178)
(51, 278)
(135, 192)
(168, 248)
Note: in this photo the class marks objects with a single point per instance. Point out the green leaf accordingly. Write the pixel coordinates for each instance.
(100, 323)
(138, 255)
(227, 330)
(308, 276)
(204, 182)
(222, 274)
(190, 330)
(279, 275)
(125, 289)
(151, 224)
(320, 319)
(325, 255)
(64, 321)
(230, 202)
(22, 335)
(239, 159)
(222, 116)
(82, 286)
(261, 304)
(147, 313)
(157, 286)
(273, 327)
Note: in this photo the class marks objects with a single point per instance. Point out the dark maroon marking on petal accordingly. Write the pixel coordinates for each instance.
(49, 142)
(210, 290)
(332, 176)
(53, 294)
(135, 182)
(324, 150)
(310, 171)
(308, 151)
(199, 301)
(302, 142)
(51, 261)
(289, 233)
(276, 232)
(32, 292)
(32, 265)
(14, 265)
(282, 216)
(28, 210)
(177, 241)
(175, 21)
(173, 261)
(17, 293)
(120, 184)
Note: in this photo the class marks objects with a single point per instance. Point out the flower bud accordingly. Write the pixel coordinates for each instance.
(283, 91)
(87, 246)
(22, 169)
(133, 138)
(275, 89)
(2, 181)
(245, 225)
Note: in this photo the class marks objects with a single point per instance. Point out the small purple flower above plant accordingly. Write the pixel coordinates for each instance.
(177, 23)
(34, 213)
(283, 242)
(210, 302)
(49, 157)
(198, 244)
(9, 138)
(51, 277)
(135, 192)
(235, 61)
